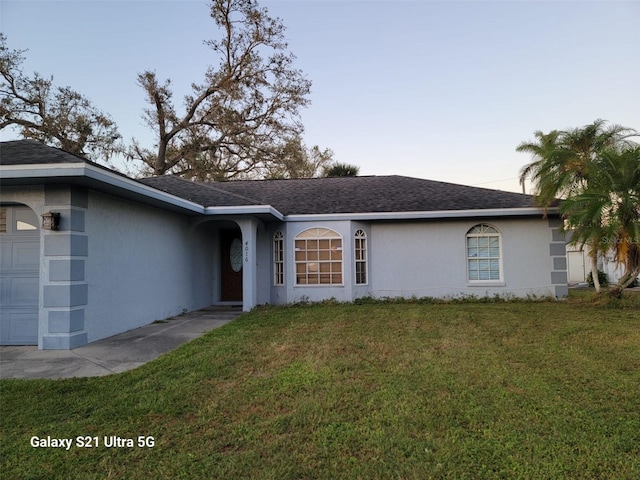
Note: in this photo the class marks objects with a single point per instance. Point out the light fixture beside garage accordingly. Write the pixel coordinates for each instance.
(50, 221)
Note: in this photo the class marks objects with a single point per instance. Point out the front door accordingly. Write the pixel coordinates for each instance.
(231, 266)
(19, 276)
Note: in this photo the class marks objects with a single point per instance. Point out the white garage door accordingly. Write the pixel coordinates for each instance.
(19, 276)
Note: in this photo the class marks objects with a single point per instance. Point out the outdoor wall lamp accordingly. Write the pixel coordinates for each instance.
(50, 221)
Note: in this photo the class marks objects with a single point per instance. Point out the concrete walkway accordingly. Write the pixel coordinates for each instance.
(114, 354)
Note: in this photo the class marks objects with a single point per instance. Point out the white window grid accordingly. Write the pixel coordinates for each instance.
(483, 254)
(278, 258)
(360, 256)
(318, 257)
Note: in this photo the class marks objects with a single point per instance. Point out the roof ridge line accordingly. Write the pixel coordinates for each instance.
(256, 180)
(219, 190)
(463, 185)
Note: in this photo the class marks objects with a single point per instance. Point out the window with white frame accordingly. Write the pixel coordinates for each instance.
(278, 258)
(483, 254)
(3, 220)
(360, 256)
(318, 257)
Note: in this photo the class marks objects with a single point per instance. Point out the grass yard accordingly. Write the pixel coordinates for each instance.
(373, 391)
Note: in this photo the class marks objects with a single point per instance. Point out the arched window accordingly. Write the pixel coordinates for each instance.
(318, 257)
(484, 261)
(360, 256)
(278, 258)
(23, 219)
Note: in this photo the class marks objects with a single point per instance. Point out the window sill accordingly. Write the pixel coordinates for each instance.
(497, 283)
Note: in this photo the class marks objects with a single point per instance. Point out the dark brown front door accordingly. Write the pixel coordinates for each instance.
(231, 265)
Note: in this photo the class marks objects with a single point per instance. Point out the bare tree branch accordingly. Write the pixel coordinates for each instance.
(239, 120)
(58, 116)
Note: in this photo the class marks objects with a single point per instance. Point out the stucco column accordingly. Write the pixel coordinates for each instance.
(557, 250)
(64, 287)
(249, 229)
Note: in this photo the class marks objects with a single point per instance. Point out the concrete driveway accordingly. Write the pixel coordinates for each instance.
(114, 354)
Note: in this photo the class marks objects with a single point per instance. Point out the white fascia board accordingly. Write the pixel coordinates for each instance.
(244, 210)
(42, 170)
(81, 169)
(495, 212)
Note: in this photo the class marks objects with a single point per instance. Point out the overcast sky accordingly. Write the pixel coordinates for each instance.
(440, 90)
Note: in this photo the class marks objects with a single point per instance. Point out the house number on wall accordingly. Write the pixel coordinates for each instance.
(246, 251)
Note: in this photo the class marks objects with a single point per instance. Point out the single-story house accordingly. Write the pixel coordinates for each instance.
(88, 252)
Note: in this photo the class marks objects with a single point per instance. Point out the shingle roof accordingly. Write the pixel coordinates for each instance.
(207, 195)
(366, 194)
(32, 152)
(348, 194)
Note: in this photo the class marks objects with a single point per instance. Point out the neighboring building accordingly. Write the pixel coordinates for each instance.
(579, 265)
(128, 252)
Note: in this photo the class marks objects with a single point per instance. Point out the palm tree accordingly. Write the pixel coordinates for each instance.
(565, 163)
(341, 170)
(606, 215)
(562, 159)
(547, 170)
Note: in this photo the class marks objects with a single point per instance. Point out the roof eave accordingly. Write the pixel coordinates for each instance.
(93, 176)
(88, 175)
(258, 210)
(85, 174)
(426, 215)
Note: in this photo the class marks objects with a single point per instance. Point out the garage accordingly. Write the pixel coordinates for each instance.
(20, 275)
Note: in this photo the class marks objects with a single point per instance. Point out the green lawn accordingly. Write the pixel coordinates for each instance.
(398, 390)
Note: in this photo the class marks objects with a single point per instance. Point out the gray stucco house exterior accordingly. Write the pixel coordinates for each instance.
(128, 252)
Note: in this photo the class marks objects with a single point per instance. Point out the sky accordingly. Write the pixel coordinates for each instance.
(443, 90)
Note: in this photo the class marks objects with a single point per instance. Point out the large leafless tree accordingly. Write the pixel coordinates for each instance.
(243, 117)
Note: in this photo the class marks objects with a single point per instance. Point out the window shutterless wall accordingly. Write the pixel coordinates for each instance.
(297, 293)
(430, 258)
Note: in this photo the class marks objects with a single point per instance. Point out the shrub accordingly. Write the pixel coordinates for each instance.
(604, 280)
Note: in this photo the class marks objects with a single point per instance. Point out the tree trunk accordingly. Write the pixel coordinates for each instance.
(624, 282)
(594, 270)
(159, 167)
